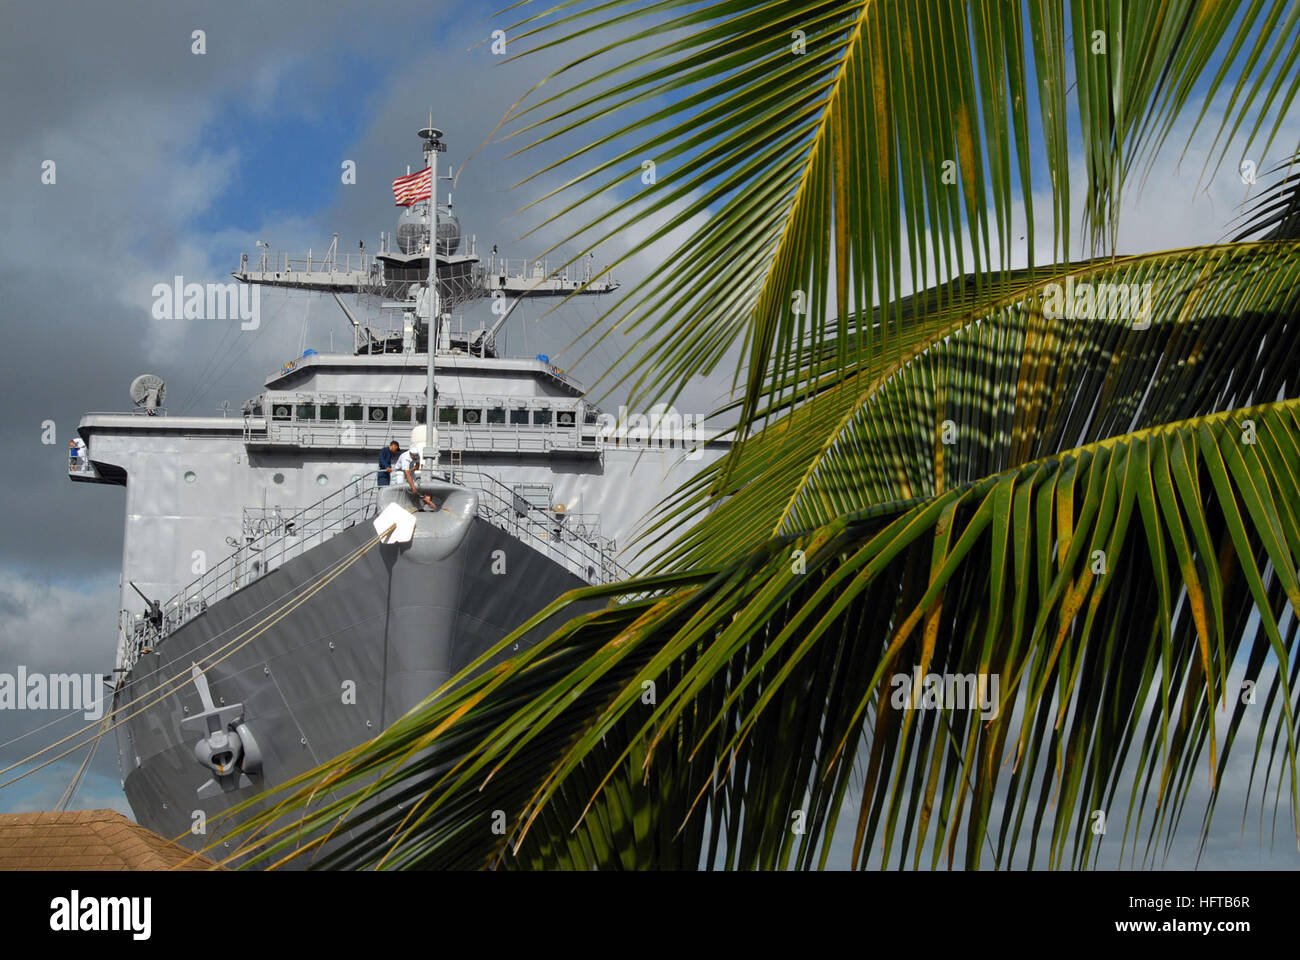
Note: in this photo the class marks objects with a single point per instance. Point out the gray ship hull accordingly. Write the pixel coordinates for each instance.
(365, 649)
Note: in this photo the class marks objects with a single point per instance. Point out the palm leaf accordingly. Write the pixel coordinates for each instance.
(774, 669)
(1276, 212)
(1009, 383)
(864, 160)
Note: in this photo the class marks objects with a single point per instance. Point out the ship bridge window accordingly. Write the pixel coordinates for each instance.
(473, 416)
(519, 417)
(542, 418)
(421, 414)
(402, 414)
(305, 411)
(564, 418)
(378, 414)
(496, 415)
(329, 411)
(352, 411)
(588, 415)
(447, 415)
(281, 411)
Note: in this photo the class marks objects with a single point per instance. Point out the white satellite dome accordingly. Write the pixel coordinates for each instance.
(413, 234)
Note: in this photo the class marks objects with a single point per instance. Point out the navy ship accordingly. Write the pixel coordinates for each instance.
(279, 604)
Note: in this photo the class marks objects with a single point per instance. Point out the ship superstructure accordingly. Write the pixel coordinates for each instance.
(265, 624)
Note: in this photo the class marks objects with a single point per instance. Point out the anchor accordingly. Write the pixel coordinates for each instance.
(229, 749)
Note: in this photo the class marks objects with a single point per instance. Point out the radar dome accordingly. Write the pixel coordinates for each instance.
(413, 233)
(448, 231)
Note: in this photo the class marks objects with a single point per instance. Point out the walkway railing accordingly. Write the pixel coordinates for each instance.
(526, 268)
(572, 540)
(295, 534)
(328, 262)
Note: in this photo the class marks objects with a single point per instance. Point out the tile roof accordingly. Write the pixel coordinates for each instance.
(87, 840)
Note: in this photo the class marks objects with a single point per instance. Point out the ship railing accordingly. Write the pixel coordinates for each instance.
(331, 261)
(133, 412)
(525, 268)
(328, 262)
(137, 636)
(572, 540)
(481, 437)
(259, 554)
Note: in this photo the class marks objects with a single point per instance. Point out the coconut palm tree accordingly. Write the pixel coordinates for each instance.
(1063, 487)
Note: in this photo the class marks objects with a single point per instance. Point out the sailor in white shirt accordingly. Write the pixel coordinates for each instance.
(406, 465)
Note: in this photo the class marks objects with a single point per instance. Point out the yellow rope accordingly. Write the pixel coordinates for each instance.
(72, 784)
(163, 690)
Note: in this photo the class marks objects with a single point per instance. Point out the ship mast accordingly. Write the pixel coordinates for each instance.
(433, 145)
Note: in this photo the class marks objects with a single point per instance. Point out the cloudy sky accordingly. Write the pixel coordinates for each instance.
(167, 162)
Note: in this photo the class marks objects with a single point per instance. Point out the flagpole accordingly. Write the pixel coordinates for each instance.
(433, 306)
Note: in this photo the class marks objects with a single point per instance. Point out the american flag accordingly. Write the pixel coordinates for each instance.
(413, 188)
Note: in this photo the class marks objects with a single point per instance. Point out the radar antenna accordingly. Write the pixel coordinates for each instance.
(148, 391)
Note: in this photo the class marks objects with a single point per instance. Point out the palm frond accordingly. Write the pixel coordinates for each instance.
(1107, 585)
(861, 164)
(1276, 212)
(1014, 385)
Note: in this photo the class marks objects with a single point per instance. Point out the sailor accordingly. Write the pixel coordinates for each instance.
(386, 458)
(407, 464)
(74, 452)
